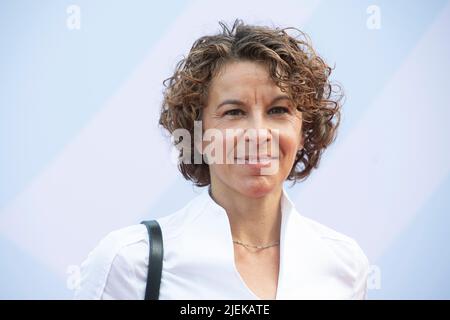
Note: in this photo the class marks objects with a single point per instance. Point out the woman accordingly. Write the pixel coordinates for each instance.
(242, 237)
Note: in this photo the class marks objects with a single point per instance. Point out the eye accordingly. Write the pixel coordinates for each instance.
(278, 110)
(234, 112)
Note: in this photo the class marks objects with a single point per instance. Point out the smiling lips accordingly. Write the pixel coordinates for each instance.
(256, 159)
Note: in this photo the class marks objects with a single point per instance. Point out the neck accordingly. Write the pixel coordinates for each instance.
(255, 221)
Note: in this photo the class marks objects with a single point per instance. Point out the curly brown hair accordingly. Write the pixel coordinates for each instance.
(293, 65)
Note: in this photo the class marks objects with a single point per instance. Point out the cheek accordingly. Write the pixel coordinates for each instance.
(290, 137)
(290, 142)
(219, 148)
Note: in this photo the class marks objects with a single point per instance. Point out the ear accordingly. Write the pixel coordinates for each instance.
(198, 136)
(198, 145)
(302, 142)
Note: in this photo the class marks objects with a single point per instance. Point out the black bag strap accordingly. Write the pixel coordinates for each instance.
(155, 259)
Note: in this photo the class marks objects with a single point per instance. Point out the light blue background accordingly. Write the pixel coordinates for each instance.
(66, 92)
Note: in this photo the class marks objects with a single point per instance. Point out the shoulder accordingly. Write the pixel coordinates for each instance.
(346, 251)
(339, 240)
(117, 267)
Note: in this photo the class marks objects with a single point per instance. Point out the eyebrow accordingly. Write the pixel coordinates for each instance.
(238, 102)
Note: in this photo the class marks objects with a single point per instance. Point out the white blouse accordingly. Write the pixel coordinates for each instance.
(316, 262)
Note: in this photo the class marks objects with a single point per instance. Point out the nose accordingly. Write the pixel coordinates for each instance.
(258, 135)
(258, 132)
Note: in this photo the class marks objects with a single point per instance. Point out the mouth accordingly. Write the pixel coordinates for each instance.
(255, 159)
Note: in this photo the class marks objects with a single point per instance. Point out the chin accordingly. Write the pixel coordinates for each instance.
(256, 186)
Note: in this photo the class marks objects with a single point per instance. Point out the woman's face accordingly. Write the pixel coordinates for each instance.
(242, 96)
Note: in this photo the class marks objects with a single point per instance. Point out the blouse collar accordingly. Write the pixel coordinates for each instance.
(286, 203)
(287, 208)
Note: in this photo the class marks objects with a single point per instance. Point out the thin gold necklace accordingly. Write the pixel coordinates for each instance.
(256, 247)
(244, 244)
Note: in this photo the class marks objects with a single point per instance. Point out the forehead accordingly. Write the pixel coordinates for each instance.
(243, 78)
